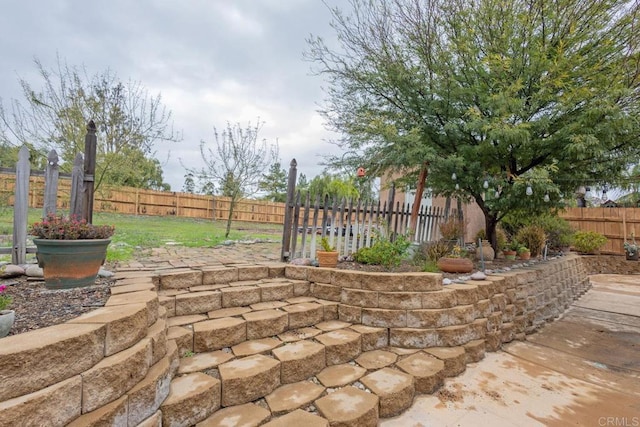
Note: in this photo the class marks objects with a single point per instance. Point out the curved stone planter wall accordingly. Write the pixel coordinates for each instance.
(113, 366)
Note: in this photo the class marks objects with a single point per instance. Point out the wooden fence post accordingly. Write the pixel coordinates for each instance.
(89, 171)
(76, 203)
(51, 175)
(21, 207)
(286, 233)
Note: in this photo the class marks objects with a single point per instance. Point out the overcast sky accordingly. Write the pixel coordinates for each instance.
(212, 61)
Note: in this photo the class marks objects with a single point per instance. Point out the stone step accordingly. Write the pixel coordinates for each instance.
(249, 378)
(427, 371)
(349, 406)
(290, 397)
(286, 381)
(298, 418)
(241, 415)
(192, 398)
(394, 388)
(300, 360)
(341, 346)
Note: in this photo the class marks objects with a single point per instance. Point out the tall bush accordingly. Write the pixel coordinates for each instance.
(533, 237)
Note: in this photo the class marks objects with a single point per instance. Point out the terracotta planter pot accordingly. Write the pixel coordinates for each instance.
(70, 263)
(327, 259)
(525, 255)
(7, 317)
(455, 265)
(509, 254)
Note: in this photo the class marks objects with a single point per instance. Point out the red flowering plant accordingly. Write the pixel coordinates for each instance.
(69, 228)
(5, 300)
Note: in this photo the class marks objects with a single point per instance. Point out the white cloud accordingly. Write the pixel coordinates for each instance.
(213, 61)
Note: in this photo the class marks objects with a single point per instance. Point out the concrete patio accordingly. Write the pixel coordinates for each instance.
(581, 370)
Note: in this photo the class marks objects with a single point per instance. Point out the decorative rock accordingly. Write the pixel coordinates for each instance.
(340, 375)
(300, 261)
(105, 273)
(242, 415)
(293, 396)
(446, 281)
(478, 275)
(11, 270)
(394, 388)
(349, 407)
(248, 379)
(34, 271)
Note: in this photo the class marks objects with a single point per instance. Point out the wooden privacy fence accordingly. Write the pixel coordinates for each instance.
(615, 224)
(136, 201)
(351, 224)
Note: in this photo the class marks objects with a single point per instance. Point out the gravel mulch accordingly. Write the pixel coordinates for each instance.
(37, 307)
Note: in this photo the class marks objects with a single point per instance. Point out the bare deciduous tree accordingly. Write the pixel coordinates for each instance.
(236, 161)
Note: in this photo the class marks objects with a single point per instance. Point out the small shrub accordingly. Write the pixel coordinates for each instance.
(452, 229)
(588, 241)
(559, 231)
(383, 252)
(433, 251)
(533, 237)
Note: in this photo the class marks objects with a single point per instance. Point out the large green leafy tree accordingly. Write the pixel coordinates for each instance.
(129, 123)
(515, 93)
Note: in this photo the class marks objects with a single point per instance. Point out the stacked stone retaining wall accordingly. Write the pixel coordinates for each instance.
(113, 366)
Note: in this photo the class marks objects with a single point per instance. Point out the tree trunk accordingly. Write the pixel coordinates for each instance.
(490, 224)
(230, 217)
(417, 201)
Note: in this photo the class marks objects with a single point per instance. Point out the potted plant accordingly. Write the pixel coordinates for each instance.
(7, 317)
(455, 261)
(511, 249)
(328, 256)
(70, 250)
(589, 242)
(631, 249)
(524, 252)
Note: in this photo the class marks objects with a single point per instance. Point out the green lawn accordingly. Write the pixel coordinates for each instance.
(140, 232)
